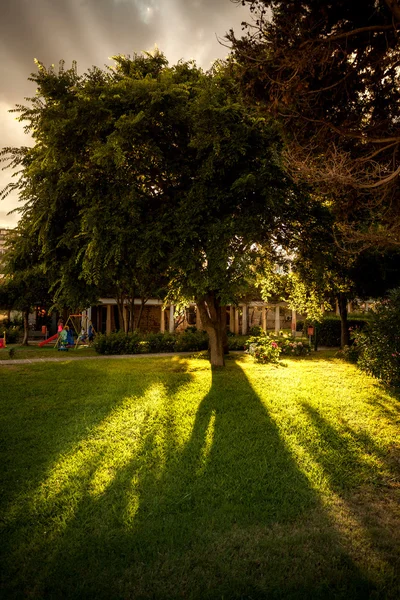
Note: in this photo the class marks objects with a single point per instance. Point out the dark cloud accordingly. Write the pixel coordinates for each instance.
(91, 31)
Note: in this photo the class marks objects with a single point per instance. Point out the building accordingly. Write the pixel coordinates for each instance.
(158, 318)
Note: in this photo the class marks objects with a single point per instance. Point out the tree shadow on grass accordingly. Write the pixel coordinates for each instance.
(52, 447)
(366, 477)
(227, 514)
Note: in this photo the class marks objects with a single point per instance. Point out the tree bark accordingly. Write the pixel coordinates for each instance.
(211, 315)
(142, 303)
(26, 327)
(344, 326)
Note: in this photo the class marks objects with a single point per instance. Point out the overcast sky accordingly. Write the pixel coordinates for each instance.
(90, 31)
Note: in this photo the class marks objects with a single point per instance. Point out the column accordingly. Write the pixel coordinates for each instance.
(337, 308)
(264, 318)
(108, 321)
(171, 319)
(232, 318)
(244, 319)
(162, 321)
(277, 319)
(294, 322)
(237, 320)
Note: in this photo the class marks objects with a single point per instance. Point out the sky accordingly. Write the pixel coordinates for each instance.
(90, 32)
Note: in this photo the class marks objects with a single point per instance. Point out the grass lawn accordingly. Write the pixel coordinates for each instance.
(48, 351)
(157, 478)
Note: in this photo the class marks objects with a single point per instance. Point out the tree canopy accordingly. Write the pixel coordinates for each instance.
(329, 72)
(152, 174)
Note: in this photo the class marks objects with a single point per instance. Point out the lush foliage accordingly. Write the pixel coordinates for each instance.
(142, 343)
(328, 70)
(329, 330)
(12, 333)
(147, 176)
(378, 344)
(139, 343)
(267, 348)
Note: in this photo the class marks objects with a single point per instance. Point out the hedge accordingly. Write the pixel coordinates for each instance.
(138, 343)
(329, 329)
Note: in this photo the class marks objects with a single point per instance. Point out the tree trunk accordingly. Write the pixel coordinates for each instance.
(142, 303)
(26, 327)
(212, 320)
(344, 326)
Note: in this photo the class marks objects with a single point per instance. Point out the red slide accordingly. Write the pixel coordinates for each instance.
(50, 339)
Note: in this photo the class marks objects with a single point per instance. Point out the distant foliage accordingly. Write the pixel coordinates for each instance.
(13, 334)
(378, 344)
(328, 330)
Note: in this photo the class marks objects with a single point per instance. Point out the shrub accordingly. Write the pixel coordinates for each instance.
(378, 343)
(137, 343)
(294, 348)
(159, 342)
(256, 330)
(12, 333)
(263, 349)
(118, 343)
(350, 353)
(191, 341)
(237, 342)
(329, 329)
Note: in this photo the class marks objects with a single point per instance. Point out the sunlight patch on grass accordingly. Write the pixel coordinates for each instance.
(207, 446)
(140, 478)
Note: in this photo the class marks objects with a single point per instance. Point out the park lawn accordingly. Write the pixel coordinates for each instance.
(158, 478)
(48, 351)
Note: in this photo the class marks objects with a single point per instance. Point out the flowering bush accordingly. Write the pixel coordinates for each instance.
(263, 349)
(378, 345)
(292, 348)
(266, 348)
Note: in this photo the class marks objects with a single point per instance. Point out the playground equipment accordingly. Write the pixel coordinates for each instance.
(81, 326)
(50, 339)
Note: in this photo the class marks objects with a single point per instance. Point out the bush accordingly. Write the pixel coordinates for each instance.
(263, 349)
(138, 343)
(329, 330)
(350, 353)
(256, 330)
(191, 341)
(12, 333)
(267, 348)
(237, 342)
(293, 348)
(118, 343)
(378, 344)
(159, 342)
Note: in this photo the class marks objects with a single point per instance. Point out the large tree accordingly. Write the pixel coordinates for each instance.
(152, 173)
(330, 72)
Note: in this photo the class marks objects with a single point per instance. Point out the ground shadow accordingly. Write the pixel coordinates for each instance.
(228, 515)
(40, 432)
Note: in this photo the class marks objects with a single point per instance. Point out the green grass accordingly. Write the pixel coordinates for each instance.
(157, 478)
(48, 351)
